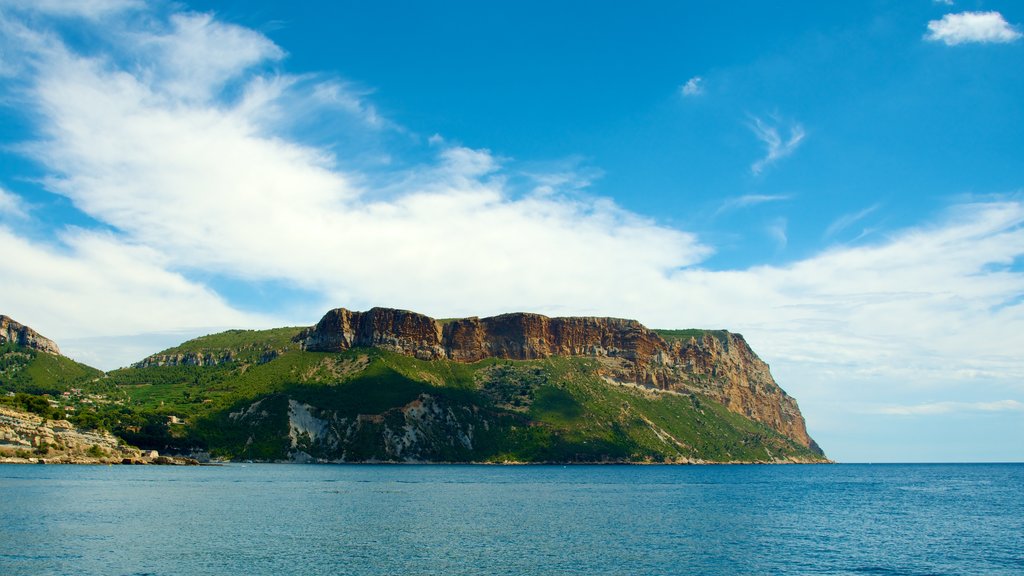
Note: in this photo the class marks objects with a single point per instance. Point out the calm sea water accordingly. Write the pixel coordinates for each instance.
(295, 519)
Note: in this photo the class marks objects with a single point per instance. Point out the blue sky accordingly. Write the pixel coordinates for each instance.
(840, 182)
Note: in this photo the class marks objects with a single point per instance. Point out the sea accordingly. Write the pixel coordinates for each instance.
(280, 519)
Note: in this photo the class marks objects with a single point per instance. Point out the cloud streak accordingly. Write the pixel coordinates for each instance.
(847, 220)
(777, 232)
(749, 200)
(777, 147)
(91, 9)
(941, 408)
(11, 205)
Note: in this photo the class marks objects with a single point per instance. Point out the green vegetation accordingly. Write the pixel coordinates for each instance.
(246, 343)
(35, 404)
(267, 399)
(34, 372)
(685, 335)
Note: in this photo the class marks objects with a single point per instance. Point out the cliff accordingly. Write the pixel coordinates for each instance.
(396, 386)
(186, 359)
(14, 333)
(719, 365)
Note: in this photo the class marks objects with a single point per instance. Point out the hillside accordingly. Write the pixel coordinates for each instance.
(32, 363)
(391, 385)
(284, 394)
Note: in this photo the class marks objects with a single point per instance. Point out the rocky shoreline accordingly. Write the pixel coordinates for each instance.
(27, 438)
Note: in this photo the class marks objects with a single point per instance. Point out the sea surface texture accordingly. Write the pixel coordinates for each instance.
(305, 519)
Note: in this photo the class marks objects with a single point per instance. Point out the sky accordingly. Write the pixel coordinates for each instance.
(840, 182)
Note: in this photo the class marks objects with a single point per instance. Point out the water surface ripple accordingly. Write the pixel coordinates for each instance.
(296, 519)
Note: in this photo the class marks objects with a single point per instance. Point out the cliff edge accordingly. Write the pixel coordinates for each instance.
(717, 364)
(21, 335)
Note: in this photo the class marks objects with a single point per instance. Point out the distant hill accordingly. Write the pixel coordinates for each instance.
(33, 364)
(392, 385)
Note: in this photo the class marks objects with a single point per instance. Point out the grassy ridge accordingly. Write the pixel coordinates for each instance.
(243, 342)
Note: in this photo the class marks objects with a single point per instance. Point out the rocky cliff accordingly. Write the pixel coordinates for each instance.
(186, 359)
(27, 437)
(719, 365)
(15, 333)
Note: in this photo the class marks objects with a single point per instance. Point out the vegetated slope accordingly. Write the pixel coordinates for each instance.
(259, 395)
(29, 370)
(32, 363)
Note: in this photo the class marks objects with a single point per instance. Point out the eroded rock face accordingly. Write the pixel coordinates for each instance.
(27, 436)
(719, 365)
(396, 330)
(427, 428)
(189, 359)
(11, 331)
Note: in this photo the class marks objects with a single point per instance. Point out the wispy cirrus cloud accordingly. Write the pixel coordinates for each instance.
(847, 220)
(972, 27)
(11, 205)
(951, 407)
(777, 146)
(76, 8)
(748, 200)
(777, 232)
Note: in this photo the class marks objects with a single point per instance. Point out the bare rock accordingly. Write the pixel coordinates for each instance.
(11, 331)
(718, 364)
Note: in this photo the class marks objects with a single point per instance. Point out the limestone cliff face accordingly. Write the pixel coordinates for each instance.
(719, 365)
(11, 331)
(187, 359)
(28, 436)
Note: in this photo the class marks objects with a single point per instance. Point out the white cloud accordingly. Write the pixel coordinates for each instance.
(886, 312)
(205, 188)
(195, 183)
(198, 55)
(348, 99)
(693, 87)
(777, 147)
(937, 408)
(11, 204)
(96, 285)
(203, 185)
(966, 27)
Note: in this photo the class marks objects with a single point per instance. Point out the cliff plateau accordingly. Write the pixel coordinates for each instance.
(716, 364)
